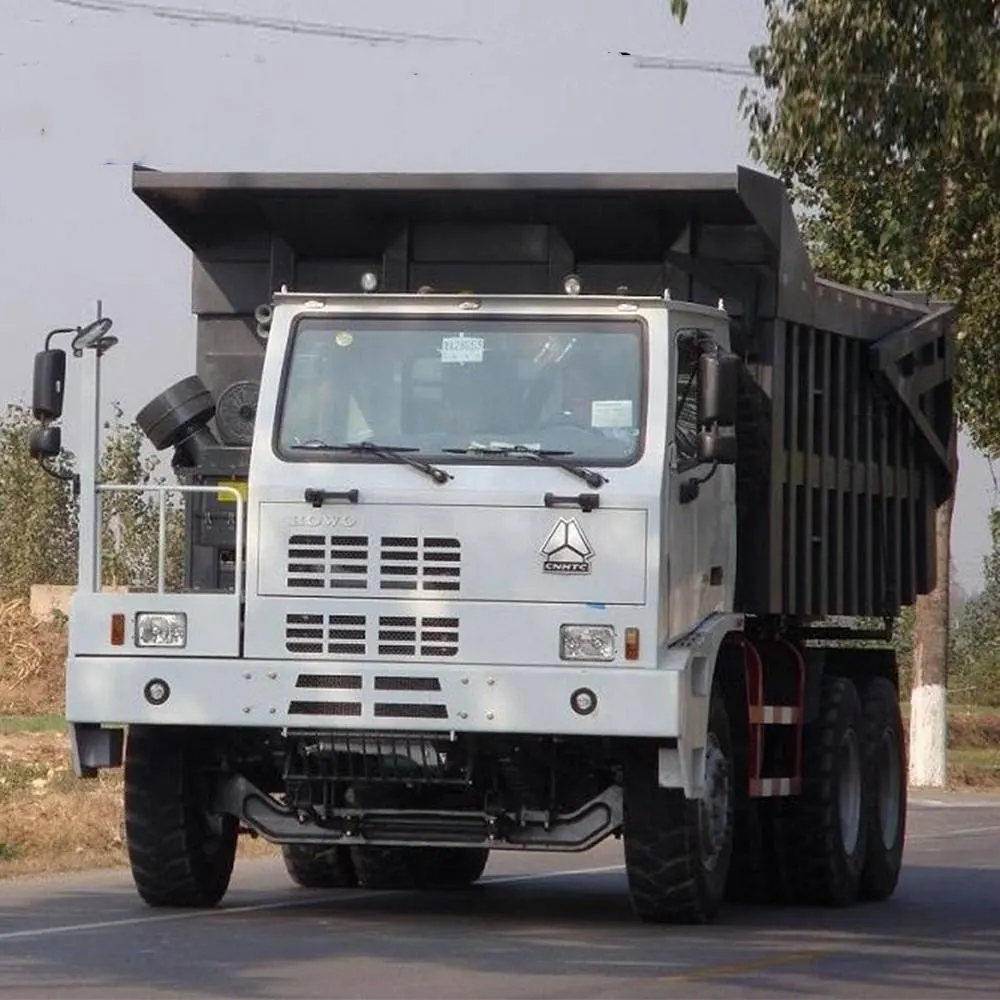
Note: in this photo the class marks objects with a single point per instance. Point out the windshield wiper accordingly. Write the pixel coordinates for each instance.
(546, 456)
(393, 453)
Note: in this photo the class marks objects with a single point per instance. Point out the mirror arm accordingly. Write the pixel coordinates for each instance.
(65, 477)
(56, 333)
(690, 488)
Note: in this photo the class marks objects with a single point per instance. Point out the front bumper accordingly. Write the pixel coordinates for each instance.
(391, 697)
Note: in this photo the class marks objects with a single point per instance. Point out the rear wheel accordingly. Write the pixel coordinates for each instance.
(180, 853)
(678, 850)
(429, 868)
(399, 867)
(885, 762)
(759, 871)
(453, 867)
(317, 866)
(827, 824)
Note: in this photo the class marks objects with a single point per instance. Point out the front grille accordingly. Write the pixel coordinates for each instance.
(401, 635)
(317, 759)
(326, 635)
(320, 562)
(408, 563)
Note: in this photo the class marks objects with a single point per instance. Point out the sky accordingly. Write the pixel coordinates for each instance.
(87, 87)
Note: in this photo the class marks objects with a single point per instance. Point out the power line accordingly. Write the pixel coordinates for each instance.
(743, 70)
(196, 16)
(689, 65)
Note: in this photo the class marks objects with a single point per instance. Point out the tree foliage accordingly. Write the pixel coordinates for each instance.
(130, 521)
(976, 641)
(38, 513)
(884, 120)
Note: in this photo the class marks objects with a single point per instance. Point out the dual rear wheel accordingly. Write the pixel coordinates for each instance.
(839, 841)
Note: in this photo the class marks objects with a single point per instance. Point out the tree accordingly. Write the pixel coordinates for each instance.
(679, 9)
(130, 522)
(38, 513)
(883, 118)
(977, 631)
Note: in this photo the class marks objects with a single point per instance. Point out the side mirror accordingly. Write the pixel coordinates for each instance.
(717, 448)
(48, 385)
(92, 334)
(45, 442)
(719, 389)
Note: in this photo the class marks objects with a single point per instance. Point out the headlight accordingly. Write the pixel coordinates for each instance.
(165, 629)
(587, 642)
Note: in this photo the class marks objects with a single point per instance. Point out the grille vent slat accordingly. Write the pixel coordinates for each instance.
(403, 636)
(344, 562)
(413, 564)
(351, 635)
(326, 635)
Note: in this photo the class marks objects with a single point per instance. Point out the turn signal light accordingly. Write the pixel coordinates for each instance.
(117, 629)
(631, 644)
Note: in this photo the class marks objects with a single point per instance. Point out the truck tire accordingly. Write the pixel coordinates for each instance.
(678, 850)
(885, 753)
(384, 868)
(451, 867)
(827, 824)
(428, 868)
(317, 866)
(179, 853)
(758, 872)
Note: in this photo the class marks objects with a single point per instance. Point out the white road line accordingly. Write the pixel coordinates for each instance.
(283, 904)
(916, 803)
(968, 831)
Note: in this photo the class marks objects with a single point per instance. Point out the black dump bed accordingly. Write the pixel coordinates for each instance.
(845, 436)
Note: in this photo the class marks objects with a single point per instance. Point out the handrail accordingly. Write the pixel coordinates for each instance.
(163, 490)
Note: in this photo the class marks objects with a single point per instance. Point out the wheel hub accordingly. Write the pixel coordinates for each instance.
(890, 788)
(849, 789)
(714, 804)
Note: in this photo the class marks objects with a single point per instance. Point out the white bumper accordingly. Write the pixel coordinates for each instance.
(311, 694)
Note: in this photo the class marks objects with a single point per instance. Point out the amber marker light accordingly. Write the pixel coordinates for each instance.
(631, 644)
(117, 629)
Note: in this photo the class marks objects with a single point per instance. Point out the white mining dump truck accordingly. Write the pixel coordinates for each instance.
(522, 511)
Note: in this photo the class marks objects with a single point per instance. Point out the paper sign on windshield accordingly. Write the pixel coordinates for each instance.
(462, 350)
(611, 413)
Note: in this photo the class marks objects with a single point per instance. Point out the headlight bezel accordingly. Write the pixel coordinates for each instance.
(177, 632)
(590, 635)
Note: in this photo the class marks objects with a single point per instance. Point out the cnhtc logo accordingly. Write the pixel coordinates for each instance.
(567, 550)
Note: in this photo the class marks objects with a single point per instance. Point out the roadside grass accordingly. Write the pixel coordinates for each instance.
(52, 821)
(31, 723)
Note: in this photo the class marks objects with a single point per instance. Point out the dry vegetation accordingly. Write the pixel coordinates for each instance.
(31, 671)
(51, 821)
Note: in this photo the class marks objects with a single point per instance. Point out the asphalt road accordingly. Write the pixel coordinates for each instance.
(536, 926)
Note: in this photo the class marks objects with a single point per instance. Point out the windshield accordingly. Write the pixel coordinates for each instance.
(470, 389)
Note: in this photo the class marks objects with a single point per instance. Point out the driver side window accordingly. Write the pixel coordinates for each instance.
(686, 413)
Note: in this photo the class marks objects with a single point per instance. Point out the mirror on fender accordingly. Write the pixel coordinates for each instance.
(718, 379)
(45, 442)
(48, 385)
(719, 449)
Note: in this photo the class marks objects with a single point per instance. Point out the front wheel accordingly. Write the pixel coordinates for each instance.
(678, 850)
(180, 853)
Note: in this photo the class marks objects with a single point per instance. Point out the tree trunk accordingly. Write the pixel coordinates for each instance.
(928, 755)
